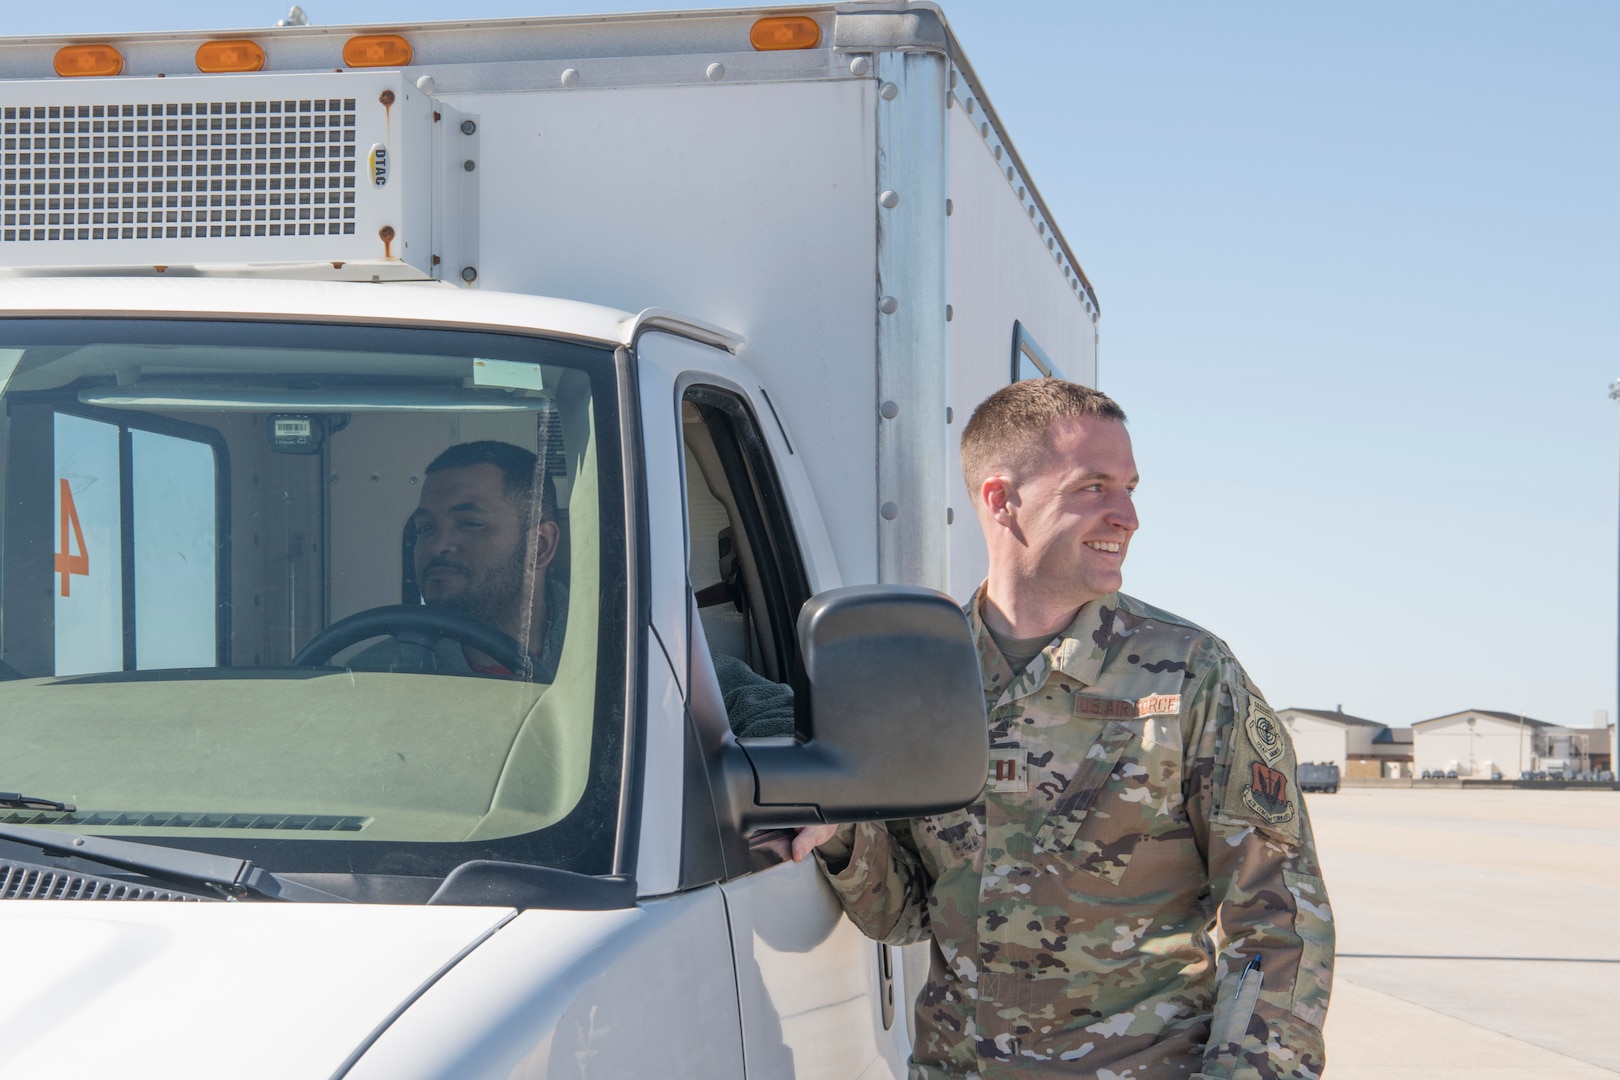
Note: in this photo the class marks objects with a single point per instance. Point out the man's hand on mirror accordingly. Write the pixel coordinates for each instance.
(811, 837)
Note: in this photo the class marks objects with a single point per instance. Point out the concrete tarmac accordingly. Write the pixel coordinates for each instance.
(1478, 933)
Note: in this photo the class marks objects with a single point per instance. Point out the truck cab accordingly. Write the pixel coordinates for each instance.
(242, 314)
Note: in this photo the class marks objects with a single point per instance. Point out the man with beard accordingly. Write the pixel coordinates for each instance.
(484, 542)
(484, 539)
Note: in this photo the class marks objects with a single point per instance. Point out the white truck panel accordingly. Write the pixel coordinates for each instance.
(658, 861)
(807, 980)
(912, 360)
(765, 224)
(582, 996)
(403, 303)
(661, 360)
(328, 973)
(1001, 271)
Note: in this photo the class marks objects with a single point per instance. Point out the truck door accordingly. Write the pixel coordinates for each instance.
(817, 997)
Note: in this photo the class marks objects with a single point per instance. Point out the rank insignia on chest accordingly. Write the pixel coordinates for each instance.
(1008, 771)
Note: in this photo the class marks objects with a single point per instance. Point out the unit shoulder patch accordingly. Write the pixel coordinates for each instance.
(1265, 734)
(1259, 785)
(1267, 795)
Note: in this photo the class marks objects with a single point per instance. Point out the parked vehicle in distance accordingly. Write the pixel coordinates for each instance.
(1315, 777)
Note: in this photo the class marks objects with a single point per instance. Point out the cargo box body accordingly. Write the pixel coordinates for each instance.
(854, 212)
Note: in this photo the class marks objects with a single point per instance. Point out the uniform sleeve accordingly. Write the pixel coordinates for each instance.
(1273, 927)
(880, 879)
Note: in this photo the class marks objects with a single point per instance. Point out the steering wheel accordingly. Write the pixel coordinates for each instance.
(417, 628)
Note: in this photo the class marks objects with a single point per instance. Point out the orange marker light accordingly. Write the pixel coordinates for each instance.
(785, 32)
(229, 56)
(88, 60)
(377, 50)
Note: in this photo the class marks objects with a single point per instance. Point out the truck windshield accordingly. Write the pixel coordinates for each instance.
(341, 600)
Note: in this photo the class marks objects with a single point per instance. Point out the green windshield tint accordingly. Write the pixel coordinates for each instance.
(352, 595)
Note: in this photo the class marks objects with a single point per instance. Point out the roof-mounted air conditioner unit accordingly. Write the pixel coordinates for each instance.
(329, 175)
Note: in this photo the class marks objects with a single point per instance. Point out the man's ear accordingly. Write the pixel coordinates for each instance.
(999, 496)
(546, 538)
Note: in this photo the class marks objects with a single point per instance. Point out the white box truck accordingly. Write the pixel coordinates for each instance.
(733, 279)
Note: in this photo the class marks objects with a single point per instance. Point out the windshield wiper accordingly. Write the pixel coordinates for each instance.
(236, 878)
(14, 801)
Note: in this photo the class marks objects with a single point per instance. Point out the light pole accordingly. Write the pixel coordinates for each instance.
(1614, 740)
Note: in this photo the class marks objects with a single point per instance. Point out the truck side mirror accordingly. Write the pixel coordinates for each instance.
(897, 719)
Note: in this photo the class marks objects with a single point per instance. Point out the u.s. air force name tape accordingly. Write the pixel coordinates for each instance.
(1099, 708)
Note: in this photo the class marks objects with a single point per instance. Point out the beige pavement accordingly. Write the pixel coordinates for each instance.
(1477, 932)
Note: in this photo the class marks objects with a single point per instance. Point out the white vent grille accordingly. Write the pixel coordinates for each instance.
(218, 174)
(178, 170)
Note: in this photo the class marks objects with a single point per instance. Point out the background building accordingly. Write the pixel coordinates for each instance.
(1391, 755)
(1475, 742)
(1571, 751)
(1358, 746)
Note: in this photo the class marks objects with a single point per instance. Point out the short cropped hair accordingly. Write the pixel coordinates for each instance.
(520, 469)
(1008, 429)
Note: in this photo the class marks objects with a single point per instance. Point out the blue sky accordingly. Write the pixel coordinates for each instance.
(1358, 272)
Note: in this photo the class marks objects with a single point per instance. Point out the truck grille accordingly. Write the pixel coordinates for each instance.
(23, 881)
(178, 170)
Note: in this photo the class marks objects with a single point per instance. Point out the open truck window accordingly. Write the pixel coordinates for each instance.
(743, 562)
(202, 633)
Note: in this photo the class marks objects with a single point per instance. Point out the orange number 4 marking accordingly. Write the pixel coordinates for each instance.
(68, 564)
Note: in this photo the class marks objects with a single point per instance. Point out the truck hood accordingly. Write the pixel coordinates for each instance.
(205, 989)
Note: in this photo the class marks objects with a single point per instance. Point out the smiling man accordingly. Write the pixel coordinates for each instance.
(1136, 895)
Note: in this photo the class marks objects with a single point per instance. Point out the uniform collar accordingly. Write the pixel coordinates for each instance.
(1077, 651)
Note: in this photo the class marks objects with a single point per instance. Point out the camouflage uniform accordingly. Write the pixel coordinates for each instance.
(1135, 896)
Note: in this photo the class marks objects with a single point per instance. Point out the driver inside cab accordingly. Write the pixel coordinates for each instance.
(484, 540)
(484, 537)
